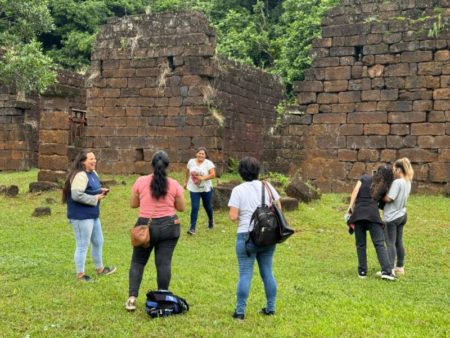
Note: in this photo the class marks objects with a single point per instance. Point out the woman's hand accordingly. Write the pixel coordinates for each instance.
(100, 196)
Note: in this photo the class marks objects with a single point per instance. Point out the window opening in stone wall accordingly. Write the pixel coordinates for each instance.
(359, 53)
(171, 63)
(78, 121)
(101, 67)
(139, 154)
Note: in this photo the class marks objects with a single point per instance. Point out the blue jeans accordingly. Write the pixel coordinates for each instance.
(87, 230)
(195, 205)
(264, 256)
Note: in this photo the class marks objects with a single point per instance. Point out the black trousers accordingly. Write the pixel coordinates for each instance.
(376, 233)
(164, 234)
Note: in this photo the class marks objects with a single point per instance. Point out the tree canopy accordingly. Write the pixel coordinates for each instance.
(274, 35)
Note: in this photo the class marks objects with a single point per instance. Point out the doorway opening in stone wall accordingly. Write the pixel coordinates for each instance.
(139, 154)
(171, 61)
(78, 121)
(359, 53)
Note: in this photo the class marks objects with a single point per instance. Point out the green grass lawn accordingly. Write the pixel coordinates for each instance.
(319, 293)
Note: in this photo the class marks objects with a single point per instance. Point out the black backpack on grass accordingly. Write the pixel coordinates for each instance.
(164, 303)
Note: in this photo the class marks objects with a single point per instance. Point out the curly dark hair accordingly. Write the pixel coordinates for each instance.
(381, 182)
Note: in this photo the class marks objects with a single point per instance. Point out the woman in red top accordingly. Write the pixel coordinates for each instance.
(158, 197)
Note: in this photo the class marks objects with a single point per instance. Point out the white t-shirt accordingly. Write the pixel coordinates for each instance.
(398, 193)
(199, 170)
(247, 197)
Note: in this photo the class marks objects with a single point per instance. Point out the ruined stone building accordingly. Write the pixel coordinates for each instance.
(377, 90)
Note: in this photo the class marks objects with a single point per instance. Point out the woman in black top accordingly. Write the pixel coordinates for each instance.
(365, 216)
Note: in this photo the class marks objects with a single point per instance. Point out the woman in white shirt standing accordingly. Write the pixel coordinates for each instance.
(244, 200)
(200, 172)
(394, 213)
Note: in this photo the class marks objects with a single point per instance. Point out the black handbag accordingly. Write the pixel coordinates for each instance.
(285, 229)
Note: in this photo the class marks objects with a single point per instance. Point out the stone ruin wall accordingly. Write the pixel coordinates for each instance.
(156, 83)
(56, 145)
(22, 141)
(378, 90)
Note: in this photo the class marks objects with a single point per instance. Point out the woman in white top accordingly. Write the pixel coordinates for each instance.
(200, 171)
(394, 212)
(244, 200)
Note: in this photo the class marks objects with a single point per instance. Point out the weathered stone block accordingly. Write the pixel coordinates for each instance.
(370, 95)
(376, 129)
(397, 142)
(400, 129)
(307, 97)
(358, 142)
(407, 117)
(327, 98)
(417, 56)
(335, 86)
(54, 136)
(367, 117)
(308, 86)
(352, 96)
(439, 172)
(365, 155)
(338, 73)
(43, 186)
(53, 162)
(351, 129)
(375, 71)
(428, 129)
(330, 118)
(388, 155)
(347, 155)
(423, 105)
(419, 155)
(42, 211)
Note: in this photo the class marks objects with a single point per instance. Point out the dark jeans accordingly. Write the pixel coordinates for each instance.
(164, 234)
(393, 233)
(195, 205)
(376, 233)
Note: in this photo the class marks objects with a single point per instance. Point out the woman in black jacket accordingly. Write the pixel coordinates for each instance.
(365, 216)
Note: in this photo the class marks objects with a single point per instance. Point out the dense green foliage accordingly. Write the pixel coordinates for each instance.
(274, 35)
(24, 65)
(76, 25)
(319, 293)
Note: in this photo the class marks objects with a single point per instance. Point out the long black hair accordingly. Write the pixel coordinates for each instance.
(77, 166)
(158, 186)
(381, 182)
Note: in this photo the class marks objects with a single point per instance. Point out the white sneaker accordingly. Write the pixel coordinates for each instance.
(380, 274)
(399, 271)
(130, 305)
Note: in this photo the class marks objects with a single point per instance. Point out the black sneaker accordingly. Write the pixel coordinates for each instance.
(238, 316)
(85, 278)
(210, 225)
(387, 276)
(107, 271)
(266, 312)
(362, 274)
(191, 232)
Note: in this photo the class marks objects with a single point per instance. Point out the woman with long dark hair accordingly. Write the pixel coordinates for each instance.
(366, 217)
(158, 197)
(83, 192)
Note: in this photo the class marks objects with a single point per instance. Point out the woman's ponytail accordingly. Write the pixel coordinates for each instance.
(158, 186)
(405, 166)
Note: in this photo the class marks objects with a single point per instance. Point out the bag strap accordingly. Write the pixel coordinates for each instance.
(266, 185)
(263, 199)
